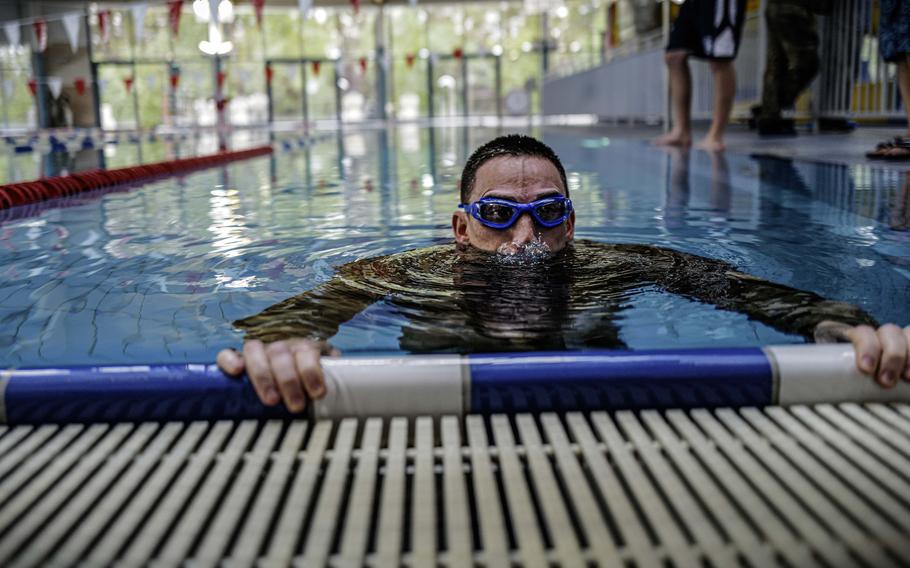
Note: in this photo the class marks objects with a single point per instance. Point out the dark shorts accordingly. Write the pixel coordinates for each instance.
(709, 29)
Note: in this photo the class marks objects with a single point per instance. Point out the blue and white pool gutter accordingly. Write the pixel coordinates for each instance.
(435, 385)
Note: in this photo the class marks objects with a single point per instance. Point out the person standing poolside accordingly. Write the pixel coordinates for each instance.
(711, 30)
(791, 61)
(894, 42)
(514, 279)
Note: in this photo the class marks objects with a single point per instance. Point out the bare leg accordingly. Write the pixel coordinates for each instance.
(724, 90)
(903, 81)
(680, 98)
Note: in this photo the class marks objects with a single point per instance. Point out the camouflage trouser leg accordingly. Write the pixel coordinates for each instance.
(792, 58)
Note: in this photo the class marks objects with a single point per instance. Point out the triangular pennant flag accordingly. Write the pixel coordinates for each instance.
(79, 83)
(219, 77)
(104, 17)
(138, 11)
(269, 73)
(40, 27)
(305, 6)
(33, 87)
(54, 84)
(356, 5)
(71, 25)
(257, 7)
(363, 64)
(12, 33)
(457, 53)
(174, 10)
(175, 78)
(409, 60)
(316, 65)
(128, 83)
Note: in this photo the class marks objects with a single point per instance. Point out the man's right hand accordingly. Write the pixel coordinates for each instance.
(288, 370)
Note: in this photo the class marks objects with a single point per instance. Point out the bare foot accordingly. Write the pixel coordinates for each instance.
(673, 138)
(896, 153)
(709, 144)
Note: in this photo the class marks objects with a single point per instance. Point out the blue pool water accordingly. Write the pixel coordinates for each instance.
(158, 273)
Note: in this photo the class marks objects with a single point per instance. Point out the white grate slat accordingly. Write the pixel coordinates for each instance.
(391, 521)
(358, 517)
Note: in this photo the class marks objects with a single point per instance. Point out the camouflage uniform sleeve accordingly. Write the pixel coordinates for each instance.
(782, 307)
(315, 314)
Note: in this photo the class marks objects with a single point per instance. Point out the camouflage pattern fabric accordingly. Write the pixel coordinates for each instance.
(792, 57)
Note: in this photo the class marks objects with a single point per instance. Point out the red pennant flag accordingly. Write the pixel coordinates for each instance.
(174, 10)
(175, 79)
(221, 103)
(104, 17)
(363, 64)
(356, 5)
(269, 73)
(40, 35)
(33, 87)
(79, 83)
(220, 78)
(457, 53)
(409, 60)
(257, 7)
(128, 83)
(316, 65)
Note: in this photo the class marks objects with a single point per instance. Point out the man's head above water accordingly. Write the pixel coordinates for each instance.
(515, 169)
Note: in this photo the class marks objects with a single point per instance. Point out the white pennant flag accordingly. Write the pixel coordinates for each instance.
(305, 6)
(12, 33)
(138, 11)
(71, 24)
(54, 85)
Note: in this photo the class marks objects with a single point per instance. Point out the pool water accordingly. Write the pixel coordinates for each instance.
(159, 273)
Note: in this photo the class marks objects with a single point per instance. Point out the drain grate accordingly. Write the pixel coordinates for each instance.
(799, 486)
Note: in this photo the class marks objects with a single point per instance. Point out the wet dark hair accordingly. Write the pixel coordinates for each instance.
(508, 145)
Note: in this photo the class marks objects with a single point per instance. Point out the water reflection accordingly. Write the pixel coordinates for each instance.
(899, 219)
(717, 203)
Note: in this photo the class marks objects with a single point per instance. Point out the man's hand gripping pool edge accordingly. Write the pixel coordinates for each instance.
(287, 371)
(882, 353)
(290, 371)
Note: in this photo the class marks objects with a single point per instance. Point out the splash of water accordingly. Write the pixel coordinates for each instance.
(518, 254)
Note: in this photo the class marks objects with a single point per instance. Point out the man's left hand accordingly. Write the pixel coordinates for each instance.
(882, 353)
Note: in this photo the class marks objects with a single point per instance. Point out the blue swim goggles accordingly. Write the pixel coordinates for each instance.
(502, 214)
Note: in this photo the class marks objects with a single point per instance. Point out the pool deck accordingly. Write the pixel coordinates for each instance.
(845, 148)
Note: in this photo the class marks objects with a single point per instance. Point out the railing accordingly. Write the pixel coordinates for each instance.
(855, 82)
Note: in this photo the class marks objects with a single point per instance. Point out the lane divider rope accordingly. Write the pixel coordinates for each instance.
(24, 193)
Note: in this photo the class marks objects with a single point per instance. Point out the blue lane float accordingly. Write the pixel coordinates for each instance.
(457, 385)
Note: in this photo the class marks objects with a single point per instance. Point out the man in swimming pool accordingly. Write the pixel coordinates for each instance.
(515, 280)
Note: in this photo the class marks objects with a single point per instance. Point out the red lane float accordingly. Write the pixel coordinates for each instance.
(23, 193)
